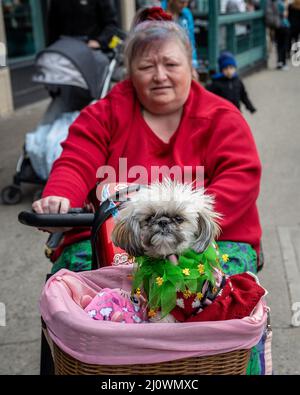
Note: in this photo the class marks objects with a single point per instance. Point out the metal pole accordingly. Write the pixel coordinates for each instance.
(263, 4)
(37, 25)
(213, 33)
(128, 9)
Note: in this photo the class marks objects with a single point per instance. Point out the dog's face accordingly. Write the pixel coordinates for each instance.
(165, 219)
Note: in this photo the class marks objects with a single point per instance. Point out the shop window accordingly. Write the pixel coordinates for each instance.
(18, 28)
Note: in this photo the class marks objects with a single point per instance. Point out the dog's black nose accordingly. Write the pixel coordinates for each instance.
(163, 223)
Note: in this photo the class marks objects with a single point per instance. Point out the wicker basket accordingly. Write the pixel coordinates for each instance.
(231, 363)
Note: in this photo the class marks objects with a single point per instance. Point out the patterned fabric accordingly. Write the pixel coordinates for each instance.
(196, 277)
(117, 305)
(242, 258)
(236, 258)
(76, 257)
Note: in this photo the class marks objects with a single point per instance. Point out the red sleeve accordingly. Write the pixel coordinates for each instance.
(74, 173)
(233, 168)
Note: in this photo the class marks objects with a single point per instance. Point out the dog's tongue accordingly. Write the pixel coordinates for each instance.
(173, 258)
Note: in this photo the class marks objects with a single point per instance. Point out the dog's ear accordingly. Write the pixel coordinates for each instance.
(127, 235)
(205, 234)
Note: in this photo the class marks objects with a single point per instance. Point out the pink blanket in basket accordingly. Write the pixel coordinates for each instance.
(66, 294)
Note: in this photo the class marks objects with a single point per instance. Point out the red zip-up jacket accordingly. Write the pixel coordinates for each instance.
(212, 133)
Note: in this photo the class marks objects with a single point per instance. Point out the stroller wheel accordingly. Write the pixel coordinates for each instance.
(11, 194)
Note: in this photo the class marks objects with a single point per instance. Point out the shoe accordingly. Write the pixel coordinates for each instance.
(279, 65)
(285, 68)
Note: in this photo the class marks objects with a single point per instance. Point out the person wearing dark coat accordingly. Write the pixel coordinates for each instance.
(94, 21)
(228, 84)
(294, 19)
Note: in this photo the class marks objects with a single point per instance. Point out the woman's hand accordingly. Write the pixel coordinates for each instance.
(52, 205)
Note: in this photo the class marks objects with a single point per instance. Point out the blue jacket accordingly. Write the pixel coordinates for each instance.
(281, 8)
(186, 20)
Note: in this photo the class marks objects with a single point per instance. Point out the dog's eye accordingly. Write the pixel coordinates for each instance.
(179, 220)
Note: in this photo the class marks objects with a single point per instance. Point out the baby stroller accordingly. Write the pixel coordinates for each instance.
(191, 350)
(74, 75)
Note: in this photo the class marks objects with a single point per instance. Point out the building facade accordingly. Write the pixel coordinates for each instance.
(22, 36)
(6, 102)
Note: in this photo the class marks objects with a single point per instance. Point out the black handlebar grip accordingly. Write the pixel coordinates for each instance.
(74, 218)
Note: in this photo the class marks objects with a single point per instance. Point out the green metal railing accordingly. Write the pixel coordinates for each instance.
(244, 34)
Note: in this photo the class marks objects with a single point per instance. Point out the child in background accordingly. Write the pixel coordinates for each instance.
(227, 83)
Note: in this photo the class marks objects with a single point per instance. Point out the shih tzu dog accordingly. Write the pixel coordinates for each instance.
(160, 223)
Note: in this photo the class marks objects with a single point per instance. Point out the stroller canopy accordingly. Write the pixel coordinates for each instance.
(69, 61)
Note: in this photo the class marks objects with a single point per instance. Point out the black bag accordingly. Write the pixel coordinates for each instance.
(272, 16)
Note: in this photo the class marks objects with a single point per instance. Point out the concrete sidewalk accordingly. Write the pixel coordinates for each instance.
(23, 265)
(275, 126)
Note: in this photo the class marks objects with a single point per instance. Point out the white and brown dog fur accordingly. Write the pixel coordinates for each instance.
(164, 219)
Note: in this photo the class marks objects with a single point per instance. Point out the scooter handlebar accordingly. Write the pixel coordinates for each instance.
(74, 218)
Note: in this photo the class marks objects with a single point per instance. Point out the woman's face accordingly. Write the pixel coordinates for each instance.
(162, 77)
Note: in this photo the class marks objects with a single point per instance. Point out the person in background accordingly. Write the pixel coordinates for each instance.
(94, 21)
(279, 9)
(252, 5)
(294, 19)
(183, 15)
(228, 85)
(235, 6)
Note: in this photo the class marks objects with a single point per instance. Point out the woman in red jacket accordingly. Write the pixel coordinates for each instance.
(160, 119)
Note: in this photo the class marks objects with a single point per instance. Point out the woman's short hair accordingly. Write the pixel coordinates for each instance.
(143, 35)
